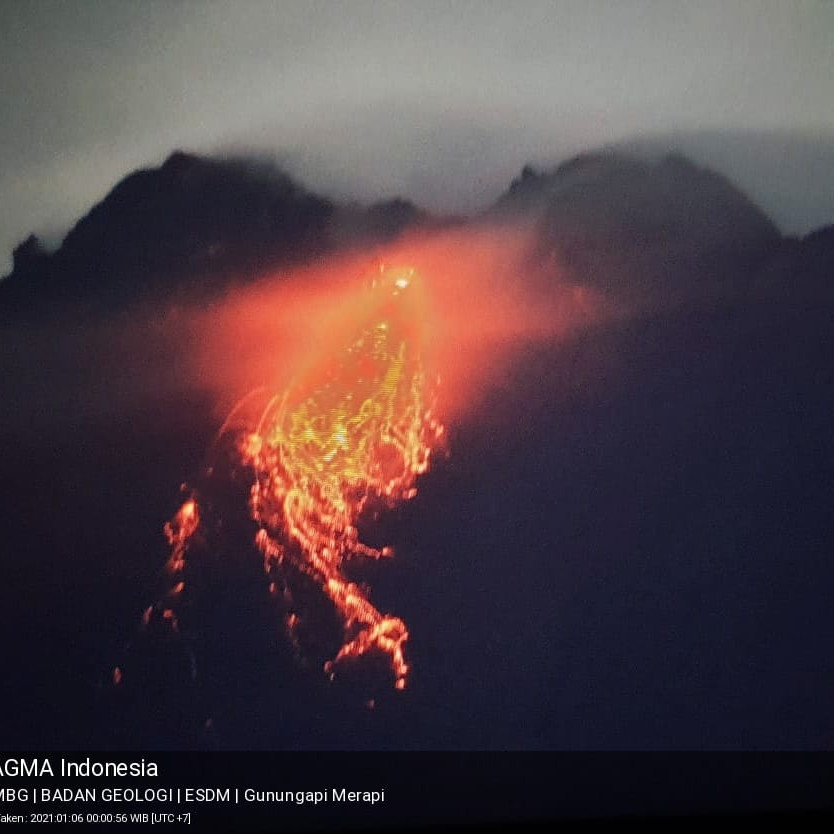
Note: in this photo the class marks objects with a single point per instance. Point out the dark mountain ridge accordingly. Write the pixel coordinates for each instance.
(648, 233)
(193, 225)
(628, 547)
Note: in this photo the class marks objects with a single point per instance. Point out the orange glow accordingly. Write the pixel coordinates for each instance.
(482, 296)
(179, 532)
(350, 431)
(349, 390)
(356, 428)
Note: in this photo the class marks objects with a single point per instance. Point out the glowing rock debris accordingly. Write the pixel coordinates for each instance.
(348, 437)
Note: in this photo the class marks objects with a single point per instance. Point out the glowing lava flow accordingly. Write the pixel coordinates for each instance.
(349, 436)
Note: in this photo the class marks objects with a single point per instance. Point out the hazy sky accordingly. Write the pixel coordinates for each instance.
(439, 101)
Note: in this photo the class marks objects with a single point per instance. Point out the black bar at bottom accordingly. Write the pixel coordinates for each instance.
(318, 791)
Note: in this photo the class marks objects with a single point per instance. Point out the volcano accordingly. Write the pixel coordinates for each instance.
(627, 545)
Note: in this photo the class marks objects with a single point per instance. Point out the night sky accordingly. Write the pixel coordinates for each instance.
(628, 543)
(442, 102)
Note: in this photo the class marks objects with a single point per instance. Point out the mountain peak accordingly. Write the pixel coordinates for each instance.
(179, 160)
(642, 231)
(194, 224)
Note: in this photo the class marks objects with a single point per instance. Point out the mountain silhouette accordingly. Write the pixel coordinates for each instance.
(629, 547)
(193, 225)
(646, 233)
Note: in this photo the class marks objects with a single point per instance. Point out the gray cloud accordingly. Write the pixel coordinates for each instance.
(442, 101)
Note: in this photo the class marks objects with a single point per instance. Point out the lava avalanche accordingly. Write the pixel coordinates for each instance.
(348, 437)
